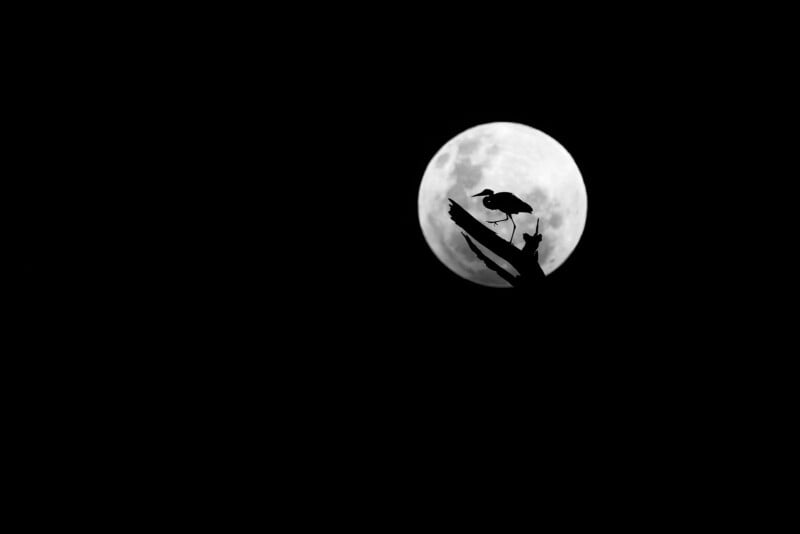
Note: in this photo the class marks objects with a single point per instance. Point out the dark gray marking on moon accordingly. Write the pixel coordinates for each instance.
(468, 146)
(538, 199)
(493, 150)
(555, 220)
(466, 177)
(442, 160)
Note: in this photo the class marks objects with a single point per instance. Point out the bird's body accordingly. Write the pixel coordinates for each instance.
(505, 202)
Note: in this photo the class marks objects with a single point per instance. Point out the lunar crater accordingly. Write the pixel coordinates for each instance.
(468, 146)
(554, 220)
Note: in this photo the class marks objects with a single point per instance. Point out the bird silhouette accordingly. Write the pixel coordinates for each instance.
(505, 202)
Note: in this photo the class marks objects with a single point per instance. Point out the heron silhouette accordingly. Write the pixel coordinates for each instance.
(505, 202)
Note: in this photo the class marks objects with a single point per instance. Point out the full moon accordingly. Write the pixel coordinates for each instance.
(503, 156)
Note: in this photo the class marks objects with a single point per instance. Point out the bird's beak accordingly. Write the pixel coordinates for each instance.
(480, 195)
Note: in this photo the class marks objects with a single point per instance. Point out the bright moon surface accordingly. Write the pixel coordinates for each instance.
(503, 156)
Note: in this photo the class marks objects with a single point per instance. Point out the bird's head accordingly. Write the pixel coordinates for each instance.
(484, 193)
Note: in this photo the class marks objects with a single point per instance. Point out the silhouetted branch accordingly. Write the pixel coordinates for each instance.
(482, 234)
(508, 277)
(524, 261)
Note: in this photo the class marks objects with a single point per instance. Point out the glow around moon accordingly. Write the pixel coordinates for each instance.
(503, 156)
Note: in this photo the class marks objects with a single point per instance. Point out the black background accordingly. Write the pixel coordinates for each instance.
(330, 143)
(295, 163)
(357, 324)
(367, 304)
(241, 288)
(634, 145)
(278, 290)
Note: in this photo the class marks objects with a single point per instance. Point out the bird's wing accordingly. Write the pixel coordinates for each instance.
(523, 206)
(513, 203)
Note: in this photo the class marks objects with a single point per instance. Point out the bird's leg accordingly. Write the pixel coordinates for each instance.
(514, 230)
(500, 220)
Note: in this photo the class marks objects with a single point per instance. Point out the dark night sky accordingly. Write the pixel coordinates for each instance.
(307, 285)
(648, 151)
(278, 282)
(653, 133)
